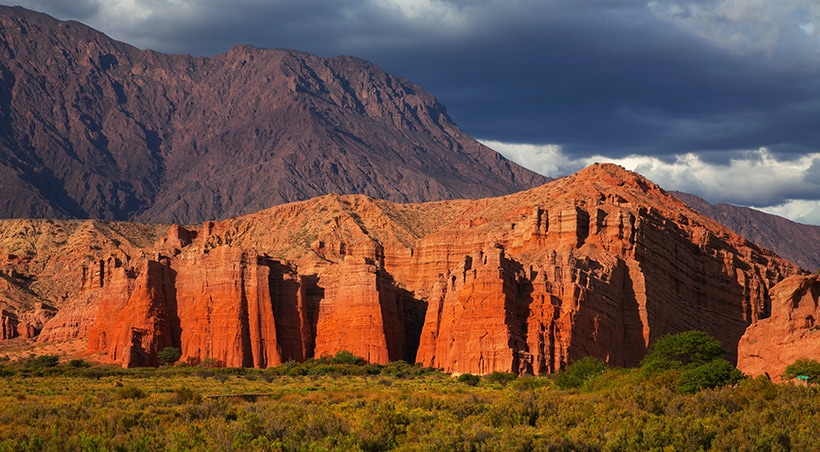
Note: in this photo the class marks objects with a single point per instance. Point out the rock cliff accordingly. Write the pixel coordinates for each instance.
(599, 263)
(791, 333)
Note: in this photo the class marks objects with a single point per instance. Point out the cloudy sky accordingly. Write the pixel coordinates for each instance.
(720, 98)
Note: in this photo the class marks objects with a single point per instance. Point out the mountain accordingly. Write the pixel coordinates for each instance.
(600, 263)
(94, 128)
(800, 243)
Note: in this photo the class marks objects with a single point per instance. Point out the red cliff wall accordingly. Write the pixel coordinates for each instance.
(791, 333)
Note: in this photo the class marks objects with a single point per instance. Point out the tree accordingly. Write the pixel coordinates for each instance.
(169, 355)
(697, 356)
(579, 372)
(803, 366)
(681, 351)
(716, 373)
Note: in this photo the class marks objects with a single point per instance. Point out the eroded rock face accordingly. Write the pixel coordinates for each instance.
(792, 332)
(600, 263)
(360, 313)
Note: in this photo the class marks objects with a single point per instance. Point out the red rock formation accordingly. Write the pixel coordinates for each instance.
(599, 263)
(228, 305)
(360, 313)
(133, 327)
(471, 325)
(792, 332)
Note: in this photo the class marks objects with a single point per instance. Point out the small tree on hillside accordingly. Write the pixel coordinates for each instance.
(681, 351)
(579, 372)
(804, 366)
(169, 355)
(697, 356)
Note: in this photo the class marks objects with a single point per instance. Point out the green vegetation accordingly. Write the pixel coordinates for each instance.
(169, 355)
(580, 372)
(809, 368)
(682, 351)
(693, 360)
(341, 403)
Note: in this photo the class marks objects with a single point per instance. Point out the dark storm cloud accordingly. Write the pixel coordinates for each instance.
(607, 77)
(613, 78)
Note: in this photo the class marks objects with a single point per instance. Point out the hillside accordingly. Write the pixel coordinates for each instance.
(599, 263)
(94, 128)
(800, 243)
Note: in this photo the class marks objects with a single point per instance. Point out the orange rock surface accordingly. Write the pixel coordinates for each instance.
(599, 263)
(792, 332)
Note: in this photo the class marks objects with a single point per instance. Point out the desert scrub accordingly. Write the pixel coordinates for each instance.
(620, 409)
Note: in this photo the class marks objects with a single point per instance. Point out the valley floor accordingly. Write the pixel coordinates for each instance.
(322, 406)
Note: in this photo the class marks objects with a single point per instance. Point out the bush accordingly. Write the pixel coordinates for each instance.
(169, 355)
(579, 372)
(44, 361)
(346, 357)
(469, 379)
(184, 394)
(501, 378)
(130, 392)
(681, 351)
(709, 376)
(78, 363)
(803, 366)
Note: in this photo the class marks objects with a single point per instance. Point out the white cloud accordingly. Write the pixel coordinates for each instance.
(799, 210)
(755, 178)
(747, 27)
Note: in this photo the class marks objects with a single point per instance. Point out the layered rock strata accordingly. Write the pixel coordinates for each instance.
(600, 263)
(791, 333)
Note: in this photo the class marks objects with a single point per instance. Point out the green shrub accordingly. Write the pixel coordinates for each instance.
(681, 351)
(346, 357)
(469, 379)
(44, 361)
(130, 392)
(579, 372)
(169, 355)
(708, 376)
(78, 363)
(501, 378)
(803, 366)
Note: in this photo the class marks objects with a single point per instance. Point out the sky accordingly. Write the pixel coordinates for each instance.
(719, 98)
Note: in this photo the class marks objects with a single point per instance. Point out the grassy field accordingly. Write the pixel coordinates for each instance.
(342, 406)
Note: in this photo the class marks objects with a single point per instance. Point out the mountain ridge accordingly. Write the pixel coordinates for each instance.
(797, 242)
(95, 128)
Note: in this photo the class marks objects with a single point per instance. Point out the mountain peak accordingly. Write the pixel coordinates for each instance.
(95, 128)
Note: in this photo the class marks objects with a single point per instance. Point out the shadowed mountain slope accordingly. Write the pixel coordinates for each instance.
(800, 243)
(94, 128)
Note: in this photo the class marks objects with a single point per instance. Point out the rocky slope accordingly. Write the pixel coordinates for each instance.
(95, 128)
(800, 243)
(791, 333)
(600, 263)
